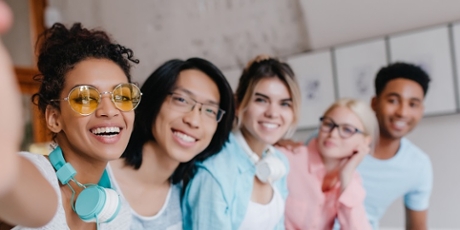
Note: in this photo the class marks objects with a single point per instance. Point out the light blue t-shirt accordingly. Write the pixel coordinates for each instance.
(408, 174)
(218, 195)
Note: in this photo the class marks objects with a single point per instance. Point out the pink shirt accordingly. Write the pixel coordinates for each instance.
(308, 207)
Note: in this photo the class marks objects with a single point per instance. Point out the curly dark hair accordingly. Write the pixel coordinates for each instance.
(60, 49)
(401, 70)
(155, 90)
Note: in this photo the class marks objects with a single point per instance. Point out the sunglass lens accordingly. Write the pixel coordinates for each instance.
(84, 99)
(126, 97)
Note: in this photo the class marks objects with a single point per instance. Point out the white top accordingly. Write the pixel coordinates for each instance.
(264, 216)
(168, 218)
(121, 222)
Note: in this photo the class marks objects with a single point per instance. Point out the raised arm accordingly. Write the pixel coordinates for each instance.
(351, 211)
(26, 197)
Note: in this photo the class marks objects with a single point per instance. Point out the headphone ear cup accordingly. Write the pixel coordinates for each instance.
(97, 202)
(111, 207)
(270, 169)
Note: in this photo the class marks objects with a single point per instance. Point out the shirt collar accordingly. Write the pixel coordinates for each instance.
(253, 157)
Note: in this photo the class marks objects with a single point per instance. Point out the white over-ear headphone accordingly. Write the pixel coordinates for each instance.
(268, 169)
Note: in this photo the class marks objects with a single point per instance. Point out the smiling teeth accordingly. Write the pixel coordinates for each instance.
(270, 126)
(185, 137)
(106, 131)
(400, 124)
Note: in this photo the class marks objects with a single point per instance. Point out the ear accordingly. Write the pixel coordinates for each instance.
(53, 119)
(374, 103)
(368, 140)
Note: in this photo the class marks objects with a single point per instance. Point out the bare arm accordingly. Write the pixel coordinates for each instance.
(31, 201)
(416, 220)
(26, 197)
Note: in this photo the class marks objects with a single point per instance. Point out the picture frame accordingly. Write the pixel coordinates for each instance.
(316, 82)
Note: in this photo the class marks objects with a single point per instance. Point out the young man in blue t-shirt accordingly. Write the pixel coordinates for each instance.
(398, 168)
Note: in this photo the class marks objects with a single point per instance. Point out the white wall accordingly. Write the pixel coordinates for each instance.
(18, 41)
(228, 32)
(332, 22)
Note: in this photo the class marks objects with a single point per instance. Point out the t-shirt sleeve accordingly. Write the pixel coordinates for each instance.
(418, 198)
(42, 164)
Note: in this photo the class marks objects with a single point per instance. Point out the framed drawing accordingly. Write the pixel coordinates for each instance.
(316, 82)
(357, 65)
(456, 48)
(430, 49)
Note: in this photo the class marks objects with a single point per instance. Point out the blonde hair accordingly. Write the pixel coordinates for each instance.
(365, 114)
(261, 67)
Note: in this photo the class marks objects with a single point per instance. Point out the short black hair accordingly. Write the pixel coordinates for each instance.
(155, 90)
(401, 70)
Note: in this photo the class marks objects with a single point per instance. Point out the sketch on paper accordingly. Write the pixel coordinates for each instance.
(316, 83)
(311, 88)
(357, 65)
(363, 79)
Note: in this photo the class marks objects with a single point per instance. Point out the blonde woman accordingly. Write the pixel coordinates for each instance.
(323, 183)
(244, 185)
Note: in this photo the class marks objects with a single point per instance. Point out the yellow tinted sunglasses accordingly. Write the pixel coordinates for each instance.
(84, 99)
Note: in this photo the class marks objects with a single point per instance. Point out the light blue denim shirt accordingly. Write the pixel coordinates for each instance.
(218, 195)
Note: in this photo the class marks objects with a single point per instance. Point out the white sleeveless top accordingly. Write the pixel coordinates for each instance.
(264, 216)
(121, 222)
(168, 218)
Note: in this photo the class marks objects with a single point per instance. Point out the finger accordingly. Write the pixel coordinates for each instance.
(6, 17)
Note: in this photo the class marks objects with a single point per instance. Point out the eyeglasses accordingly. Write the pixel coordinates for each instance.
(184, 103)
(84, 99)
(345, 131)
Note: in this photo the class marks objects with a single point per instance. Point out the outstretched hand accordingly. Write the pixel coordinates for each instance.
(10, 104)
(6, 17)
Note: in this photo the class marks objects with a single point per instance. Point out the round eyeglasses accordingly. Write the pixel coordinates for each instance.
(345, 130)
(84, 99)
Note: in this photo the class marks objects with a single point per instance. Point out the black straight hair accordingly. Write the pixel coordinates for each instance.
(155, 90)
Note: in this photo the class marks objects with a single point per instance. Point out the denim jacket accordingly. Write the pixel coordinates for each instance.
(218, 195)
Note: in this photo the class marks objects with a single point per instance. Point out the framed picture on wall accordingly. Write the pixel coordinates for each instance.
(316, 82)
(357, 65)
(456, 48)
(430, 49)
(233, 76)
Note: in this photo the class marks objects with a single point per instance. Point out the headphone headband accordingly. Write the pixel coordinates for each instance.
(65, 171)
